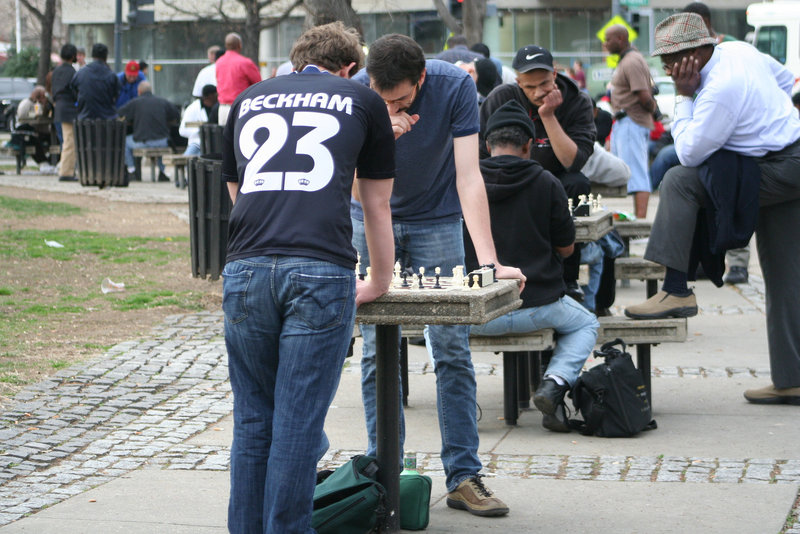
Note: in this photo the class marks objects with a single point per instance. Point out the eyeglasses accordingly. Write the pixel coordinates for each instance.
(406, 102)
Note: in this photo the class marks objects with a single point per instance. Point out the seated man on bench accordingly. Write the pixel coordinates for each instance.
(532, 228)
(36, 106)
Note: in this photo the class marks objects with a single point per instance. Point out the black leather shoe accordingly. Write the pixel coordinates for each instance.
(574, 290)
(558, 422)
(736, 275)
(67, 179)
(549, 396)
(163, 177)
(133, 177)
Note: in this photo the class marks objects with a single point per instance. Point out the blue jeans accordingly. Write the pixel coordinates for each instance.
(193, 149)
(288, 323)
(576, 327)
(130, 144)
(430, 246)
(666, 158)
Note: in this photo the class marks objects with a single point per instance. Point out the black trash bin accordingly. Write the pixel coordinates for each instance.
(211, 138)
(209, 208)
(100, 147)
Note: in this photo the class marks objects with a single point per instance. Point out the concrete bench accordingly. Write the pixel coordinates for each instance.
(634, 268)
(525, 356)
(179, 163)
(152, 154)
(616, 191)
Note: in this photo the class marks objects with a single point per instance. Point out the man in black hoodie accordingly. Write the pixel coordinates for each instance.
(532, 228)
(564, 121)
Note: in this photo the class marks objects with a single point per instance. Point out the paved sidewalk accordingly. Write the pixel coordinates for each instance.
(138, 440)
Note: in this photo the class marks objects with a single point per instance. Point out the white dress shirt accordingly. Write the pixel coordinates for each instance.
(194, 112)
(206, 76)
(743, 104)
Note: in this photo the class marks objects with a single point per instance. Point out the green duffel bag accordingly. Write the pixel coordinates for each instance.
(349, 500)
(415, 501)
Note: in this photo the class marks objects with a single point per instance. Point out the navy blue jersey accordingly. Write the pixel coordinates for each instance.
(293, 144)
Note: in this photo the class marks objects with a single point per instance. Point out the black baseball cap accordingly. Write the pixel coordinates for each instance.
(532, 57)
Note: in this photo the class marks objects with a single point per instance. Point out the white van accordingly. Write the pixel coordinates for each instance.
(777, 32)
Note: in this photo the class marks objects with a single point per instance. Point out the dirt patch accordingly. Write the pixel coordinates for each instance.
(59, 316)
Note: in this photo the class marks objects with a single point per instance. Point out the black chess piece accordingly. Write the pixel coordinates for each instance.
(405, 280)
(421, 285)
(437, 285)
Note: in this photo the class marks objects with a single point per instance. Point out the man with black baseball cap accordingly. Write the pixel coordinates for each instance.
(537, 242)
(564, 122)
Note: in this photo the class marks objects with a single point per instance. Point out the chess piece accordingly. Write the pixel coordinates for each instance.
(458, 276)
(569, 206)
(404, 275)
(475, 283)
(397, 270)
(368, 278)
(438, 272)
(421, 276)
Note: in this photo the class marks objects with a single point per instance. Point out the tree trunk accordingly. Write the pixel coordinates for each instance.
(252, 30)
(46, 40)
(473, 12)
(325, 11)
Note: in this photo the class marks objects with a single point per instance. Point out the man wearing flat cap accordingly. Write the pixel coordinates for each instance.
(565, 131)
(731, 97)
(533, 228)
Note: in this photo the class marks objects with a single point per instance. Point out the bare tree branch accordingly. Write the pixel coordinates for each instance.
(449, 20)
(274, 21)
(33, 9)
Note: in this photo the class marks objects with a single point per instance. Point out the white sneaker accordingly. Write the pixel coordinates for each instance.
(46, 168)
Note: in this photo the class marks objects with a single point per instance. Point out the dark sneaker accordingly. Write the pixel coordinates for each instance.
(471, 495)
(163, 177)
(736, 275)
(574, 290)
(663, 305)
(549, 396)
(773, 395)
(67, 179)
(558, 422)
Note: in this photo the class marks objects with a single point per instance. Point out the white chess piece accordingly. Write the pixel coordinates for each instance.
(368, 278)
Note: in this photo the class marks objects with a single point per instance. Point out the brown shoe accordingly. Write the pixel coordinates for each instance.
(772, 395)
(471, 495)
(663, 305)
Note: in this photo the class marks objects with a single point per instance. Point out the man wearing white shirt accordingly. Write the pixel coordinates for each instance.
(201, 110)
(208, 74)
(731, 96)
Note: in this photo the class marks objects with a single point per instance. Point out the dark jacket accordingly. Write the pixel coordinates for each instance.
(574, 114)
(128, 91)
(63, 97)
(150, 115)
(730, 211)
(97, 88)
(529, 218)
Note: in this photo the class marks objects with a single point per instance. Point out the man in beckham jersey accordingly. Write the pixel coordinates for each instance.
(291, 147)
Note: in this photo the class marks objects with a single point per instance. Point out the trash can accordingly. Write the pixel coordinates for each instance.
(209, 209)
(211, 138)
(100, 147)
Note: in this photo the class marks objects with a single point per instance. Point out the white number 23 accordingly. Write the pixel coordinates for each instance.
(324, 127)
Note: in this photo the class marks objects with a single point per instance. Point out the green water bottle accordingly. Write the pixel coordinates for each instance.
(409, 464)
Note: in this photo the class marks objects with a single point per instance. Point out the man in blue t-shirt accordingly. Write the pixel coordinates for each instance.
(291, 147)
(434, 113)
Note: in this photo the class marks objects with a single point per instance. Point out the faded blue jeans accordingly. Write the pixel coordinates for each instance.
(130, 144)
(288, 324)
(431, 246)
(575, 325)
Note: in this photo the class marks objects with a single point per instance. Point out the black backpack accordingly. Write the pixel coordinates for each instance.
(611, 397)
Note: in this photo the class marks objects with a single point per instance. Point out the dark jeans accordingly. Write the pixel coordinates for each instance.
(575, 184)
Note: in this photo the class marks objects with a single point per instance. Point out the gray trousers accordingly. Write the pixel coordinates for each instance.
(680, 198)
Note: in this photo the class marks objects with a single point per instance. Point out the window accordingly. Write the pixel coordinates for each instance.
(772, 40)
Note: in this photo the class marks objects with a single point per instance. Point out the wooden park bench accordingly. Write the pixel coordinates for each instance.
(19, 156)
(152, 154)
(179, 164)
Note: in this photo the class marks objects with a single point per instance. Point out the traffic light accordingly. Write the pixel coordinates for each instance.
(139, 14)
(635, 22)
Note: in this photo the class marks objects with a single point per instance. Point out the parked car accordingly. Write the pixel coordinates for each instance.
(12, 91)
(665, 97)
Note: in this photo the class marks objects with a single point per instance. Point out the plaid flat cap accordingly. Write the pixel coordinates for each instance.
(680, 32)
